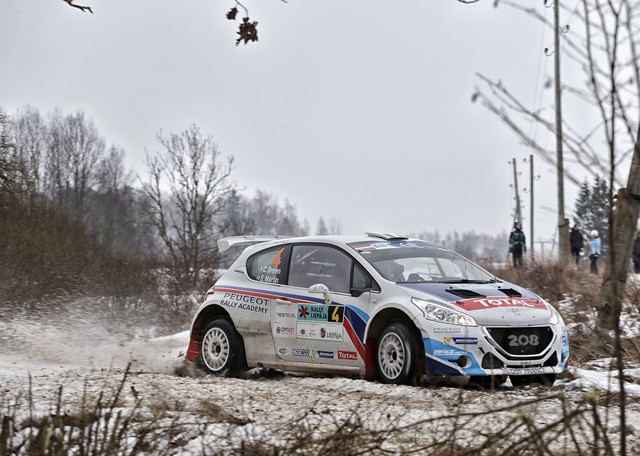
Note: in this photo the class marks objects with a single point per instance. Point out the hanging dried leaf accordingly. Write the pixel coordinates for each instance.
(248, 31)
(231, 15)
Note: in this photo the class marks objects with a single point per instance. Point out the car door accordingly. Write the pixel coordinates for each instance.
(305, 328)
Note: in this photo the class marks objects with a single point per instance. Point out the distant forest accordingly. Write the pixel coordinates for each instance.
(75, 224)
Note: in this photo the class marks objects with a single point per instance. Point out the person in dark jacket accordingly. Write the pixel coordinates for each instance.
(636, 254)
(577, 243)
(517, 244)
(595, 250)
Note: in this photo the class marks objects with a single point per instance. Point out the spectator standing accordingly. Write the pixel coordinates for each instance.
(517, 244)
(595, 249)
(577, 243)
(636, 254)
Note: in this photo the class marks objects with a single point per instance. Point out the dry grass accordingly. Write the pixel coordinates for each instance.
(577, 293)
(103, 425)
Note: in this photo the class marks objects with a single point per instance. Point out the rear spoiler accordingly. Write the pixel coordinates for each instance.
(226, 243)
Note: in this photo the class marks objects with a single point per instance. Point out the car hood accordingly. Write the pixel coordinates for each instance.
(489, 304)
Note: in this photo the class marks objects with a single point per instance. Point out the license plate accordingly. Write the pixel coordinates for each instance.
(523, 370)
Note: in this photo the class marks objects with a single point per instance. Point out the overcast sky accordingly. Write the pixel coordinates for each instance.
(359, 110)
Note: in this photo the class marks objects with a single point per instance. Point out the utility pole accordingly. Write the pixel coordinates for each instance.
(531, 243)
(562, 221)
(517, 214)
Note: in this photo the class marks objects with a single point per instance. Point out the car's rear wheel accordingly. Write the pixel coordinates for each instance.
(222, 350)
(397, 354)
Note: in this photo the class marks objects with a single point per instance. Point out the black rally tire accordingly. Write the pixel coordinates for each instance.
(398, 355)
(222, 349)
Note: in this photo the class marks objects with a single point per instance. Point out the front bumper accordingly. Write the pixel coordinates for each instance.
(496, 351)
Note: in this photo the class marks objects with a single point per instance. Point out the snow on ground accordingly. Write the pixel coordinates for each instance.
(209, 415)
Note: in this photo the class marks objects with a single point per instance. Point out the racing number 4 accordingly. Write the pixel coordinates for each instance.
(336, 313)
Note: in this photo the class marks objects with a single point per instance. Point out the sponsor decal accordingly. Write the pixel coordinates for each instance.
(495, 302)
(286, 315)
(523, 370)
(283, 351)
(301, 352)
(285, 331)
(270, 273)
(333, 314)
(364, 246)
(320, 331)
(465, 340)
(347, 355)
(446, 330)
(446, 351)
(322, 354)
(460, 340)
(245, 302)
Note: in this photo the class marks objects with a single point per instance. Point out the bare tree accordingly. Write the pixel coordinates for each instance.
(605, 48)
(29, 132)
(8, 168)
(188, 188)
(114, 206)
(74, 147)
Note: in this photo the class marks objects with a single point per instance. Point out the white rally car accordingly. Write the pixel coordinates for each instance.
(378, 306)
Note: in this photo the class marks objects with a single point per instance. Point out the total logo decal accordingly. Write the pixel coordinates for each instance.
(493, 302)
(353, 356)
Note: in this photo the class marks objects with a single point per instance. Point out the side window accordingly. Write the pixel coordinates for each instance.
(359, 278)
(269, 265)
(312, 264)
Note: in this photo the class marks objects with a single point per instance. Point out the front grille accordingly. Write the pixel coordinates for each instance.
(528, 341)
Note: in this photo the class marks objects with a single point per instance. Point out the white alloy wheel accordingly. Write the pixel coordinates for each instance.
(216, 349)
(393, 356)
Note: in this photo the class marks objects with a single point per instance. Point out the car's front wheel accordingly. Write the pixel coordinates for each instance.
(398, 355)
(222, 350)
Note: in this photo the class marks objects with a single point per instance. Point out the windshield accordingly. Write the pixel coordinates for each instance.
(419, 261)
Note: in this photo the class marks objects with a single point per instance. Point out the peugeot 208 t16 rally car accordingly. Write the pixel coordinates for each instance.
(379, 306)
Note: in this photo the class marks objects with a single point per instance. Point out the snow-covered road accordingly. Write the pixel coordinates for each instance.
(267, 410)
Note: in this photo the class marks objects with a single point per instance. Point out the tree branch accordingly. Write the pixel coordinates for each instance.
(81, 8)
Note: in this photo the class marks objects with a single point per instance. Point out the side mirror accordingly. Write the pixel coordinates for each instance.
(357, 292)
(321, 288)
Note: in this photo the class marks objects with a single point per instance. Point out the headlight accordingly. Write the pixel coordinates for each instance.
(555, 316)
(441, 314)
